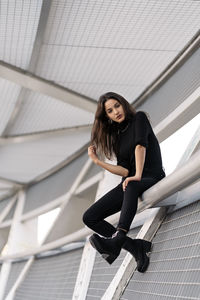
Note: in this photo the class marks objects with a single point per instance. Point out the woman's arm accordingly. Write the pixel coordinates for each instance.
(118, 170)
(140, 153)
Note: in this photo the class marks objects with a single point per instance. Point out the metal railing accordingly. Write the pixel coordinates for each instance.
(179, 179)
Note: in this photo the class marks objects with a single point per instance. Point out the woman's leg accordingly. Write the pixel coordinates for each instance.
(107, 205)
(110, 248)
(130, 201)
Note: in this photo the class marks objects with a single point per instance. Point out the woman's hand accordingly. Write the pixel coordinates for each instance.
(132, 178)
(92, 153)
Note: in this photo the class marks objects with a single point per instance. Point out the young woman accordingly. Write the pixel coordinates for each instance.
(120, 131)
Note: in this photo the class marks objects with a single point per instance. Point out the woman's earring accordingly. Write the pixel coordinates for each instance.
(110, 121)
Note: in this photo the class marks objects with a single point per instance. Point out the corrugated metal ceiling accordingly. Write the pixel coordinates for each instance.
(90, 47)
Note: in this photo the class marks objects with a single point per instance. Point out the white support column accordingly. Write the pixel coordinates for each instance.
(85, 272)
(128, 266)
(23, 236)
(5, 271)
(7, 209)
(67, 198)
(88, 257)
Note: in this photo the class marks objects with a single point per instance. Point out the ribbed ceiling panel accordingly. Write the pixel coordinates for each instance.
(9, 93)
(175, 90)
(25, 160)
(39, 112)
(101, 70)
(18, 27)
(96, 46)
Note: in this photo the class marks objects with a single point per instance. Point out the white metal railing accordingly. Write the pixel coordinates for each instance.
(179, 179)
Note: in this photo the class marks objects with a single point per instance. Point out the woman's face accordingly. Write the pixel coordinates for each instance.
(114, 110)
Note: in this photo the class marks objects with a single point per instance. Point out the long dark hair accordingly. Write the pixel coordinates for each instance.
(104, 133)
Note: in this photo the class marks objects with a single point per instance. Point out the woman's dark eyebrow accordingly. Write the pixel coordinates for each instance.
(114, 105)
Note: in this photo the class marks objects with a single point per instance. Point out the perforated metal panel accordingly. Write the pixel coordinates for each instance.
(18, 27)
(8, 99)
(103, 273)
(39, 112)
(14, 273)
(26, 160)
(54, 186)
(174, 270)
(175, 90)
(51, 278)
(96, 46)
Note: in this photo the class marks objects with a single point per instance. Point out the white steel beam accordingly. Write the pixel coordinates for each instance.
(84, 273)
(187, 110)
(34, 136)
(5, 271)
(182, 56)
(69, 194)
(128, 266)
(90, 182)
(19, 279)
(45, 9)
(174, 182)
(192, 146)
(7, 209)
(43, 86)
(59, 166)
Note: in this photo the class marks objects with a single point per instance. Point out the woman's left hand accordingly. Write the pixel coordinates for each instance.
(132, 178)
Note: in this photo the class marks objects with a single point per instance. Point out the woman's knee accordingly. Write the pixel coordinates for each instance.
(134, 184)
(86, 217)
(89, 217)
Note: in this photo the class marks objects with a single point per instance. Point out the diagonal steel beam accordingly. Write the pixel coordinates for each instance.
(9, 72)
(182, 56)
(27, 137)
(35, 83)
(45, 9)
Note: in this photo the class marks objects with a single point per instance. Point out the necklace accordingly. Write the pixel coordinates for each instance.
(124, 129)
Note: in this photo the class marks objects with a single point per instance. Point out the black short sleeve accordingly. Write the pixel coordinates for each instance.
(123, 163)
(142, 129)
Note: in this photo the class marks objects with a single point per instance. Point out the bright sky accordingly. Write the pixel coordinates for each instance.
(174, 146)
(172, 150)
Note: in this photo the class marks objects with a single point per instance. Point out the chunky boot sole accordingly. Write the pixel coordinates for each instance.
(109, 257)
(139, 249)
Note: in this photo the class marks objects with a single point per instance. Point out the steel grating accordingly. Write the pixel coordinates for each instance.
(174, 269)
(51, 277)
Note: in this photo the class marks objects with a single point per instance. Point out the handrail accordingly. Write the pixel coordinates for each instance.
(179, 179)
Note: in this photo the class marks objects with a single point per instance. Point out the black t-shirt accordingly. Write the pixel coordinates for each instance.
(138, 131)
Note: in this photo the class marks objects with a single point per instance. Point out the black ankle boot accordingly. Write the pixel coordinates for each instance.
(139, 249)
(109, 248)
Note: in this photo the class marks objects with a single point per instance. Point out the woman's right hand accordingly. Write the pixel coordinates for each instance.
(92, 153)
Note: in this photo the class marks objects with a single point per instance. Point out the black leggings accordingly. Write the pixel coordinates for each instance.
(114, 201)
